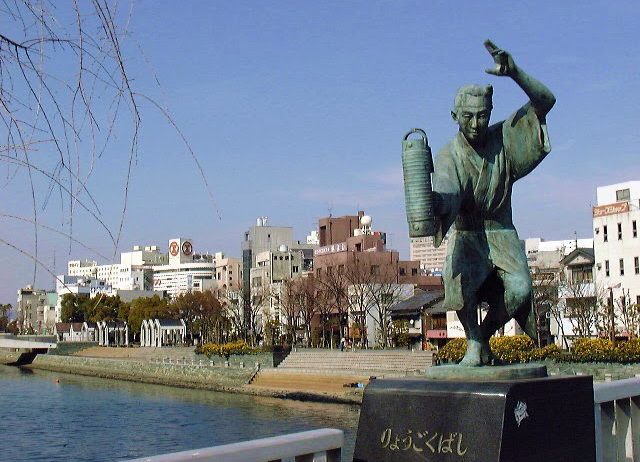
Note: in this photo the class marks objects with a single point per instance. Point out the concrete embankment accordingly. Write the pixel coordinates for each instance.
(8, 357)
(187, 376)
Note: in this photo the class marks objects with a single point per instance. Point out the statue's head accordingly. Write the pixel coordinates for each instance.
(472, 110)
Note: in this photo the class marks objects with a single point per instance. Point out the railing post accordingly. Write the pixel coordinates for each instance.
(623, 417)
(635, 428)
(607, 423)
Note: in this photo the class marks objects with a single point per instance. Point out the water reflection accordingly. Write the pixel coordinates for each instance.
(85, 418)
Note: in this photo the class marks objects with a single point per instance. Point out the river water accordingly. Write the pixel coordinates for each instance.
(48, 416)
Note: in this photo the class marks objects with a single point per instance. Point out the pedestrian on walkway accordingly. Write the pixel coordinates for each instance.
(342, 343)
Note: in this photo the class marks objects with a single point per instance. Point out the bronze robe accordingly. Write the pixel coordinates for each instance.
(476, 189)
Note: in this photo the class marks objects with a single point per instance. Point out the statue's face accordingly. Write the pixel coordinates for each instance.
(473, 119)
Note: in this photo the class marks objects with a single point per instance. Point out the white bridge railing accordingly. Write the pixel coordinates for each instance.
(324, 445)
(617, 412)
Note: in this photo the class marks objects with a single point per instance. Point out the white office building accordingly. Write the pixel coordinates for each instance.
(185, 271)
(616, 219)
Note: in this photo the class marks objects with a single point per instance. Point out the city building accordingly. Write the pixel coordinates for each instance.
(342, 248)
(616, 219)
(36, 310)
(270, 256)
(146, 269)
(354, 256)
(185, 271)
(273, 268)
(431, 258)
(227, 272)
(562, 277)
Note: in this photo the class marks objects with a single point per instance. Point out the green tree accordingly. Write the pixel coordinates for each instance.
(106, 309)
(4, 318)
(146, 308)
(203, 315)
(75, 308)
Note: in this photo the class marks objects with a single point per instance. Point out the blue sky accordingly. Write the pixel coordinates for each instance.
(295, 109)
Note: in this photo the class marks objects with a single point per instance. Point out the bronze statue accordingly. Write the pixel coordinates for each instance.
(473, 176)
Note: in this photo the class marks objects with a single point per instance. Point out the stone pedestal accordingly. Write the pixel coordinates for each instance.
(548, 419)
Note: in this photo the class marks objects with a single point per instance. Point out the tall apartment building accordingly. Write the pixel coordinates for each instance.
(616, 219)
(269, 256)
(261, 238)
(431, 258)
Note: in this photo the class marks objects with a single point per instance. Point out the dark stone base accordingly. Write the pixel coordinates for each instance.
(543, 419)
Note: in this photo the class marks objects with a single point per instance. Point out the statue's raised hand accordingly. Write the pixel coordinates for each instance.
(505, 66)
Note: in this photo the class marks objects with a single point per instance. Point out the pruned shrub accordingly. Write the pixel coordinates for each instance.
(512, 349)
(587, 350)
(453, 351)
(226, 349)
(629, 351)
(515, 349)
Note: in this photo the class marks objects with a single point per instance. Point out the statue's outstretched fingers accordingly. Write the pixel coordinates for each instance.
(491, 47)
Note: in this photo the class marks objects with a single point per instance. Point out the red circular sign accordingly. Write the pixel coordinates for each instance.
(187, 248)
(173, 248)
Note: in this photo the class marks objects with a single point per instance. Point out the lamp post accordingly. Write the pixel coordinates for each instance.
(612, 317)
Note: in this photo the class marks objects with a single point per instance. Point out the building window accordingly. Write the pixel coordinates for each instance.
(402, 271)
(623, 195)
(619, 231)
(606, 268)
(414, 271)
(638, 299)
(295, 269)
(375, 270)
(605, 236)
(622, 267)
(634, 227)
(636, 264)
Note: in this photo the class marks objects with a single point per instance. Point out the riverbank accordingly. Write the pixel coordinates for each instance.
(221, 379)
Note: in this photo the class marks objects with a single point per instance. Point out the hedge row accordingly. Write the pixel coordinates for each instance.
(521, 349)
(226, 349)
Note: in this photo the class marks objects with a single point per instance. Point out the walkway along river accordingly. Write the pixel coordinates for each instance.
(50, 416)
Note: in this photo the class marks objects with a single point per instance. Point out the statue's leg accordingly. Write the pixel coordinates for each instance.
(468, 316)
(517, 299)
(492, 292)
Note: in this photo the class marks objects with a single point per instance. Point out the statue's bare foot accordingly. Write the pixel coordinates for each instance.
(479, 354)
(472, 357)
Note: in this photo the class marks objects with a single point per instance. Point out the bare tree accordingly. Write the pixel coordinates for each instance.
(311, 298)
(544, 299)
(333, 282)
(582, 305)
(628, 314)
(289, 299)
(65, 94)
(359, 277)
(382, 295)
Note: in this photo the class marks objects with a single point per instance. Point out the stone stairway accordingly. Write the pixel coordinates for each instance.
(358, 362)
